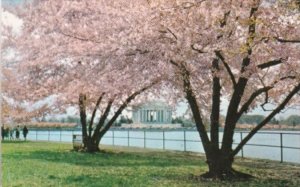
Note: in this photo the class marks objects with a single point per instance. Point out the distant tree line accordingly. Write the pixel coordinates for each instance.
(245, 119)
(256, 119)
(291, 120)
(74, 119)
(68, 119)
(183, 121)
(123, 120)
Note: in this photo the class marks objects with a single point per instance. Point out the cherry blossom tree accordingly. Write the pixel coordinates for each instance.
(246, 52)
(107, 53)
(82, 53)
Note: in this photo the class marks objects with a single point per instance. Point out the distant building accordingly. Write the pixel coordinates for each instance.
(153, 114)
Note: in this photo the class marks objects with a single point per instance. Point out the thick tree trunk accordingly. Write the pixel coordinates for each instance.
(220, 167)
(90, 145)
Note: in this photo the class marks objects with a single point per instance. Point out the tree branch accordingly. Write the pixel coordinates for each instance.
(254, 95)
(191, 98)
(220, 56)
(287, 40)
(267, 95)
(198, 50)
(82, 111)
(102, 119)
(173, 34)
(215, 111)
(174, 63)
(223, 21)
(280, 107)
(94, 113)
(231, 118)
(270, 63)
(137, 51)
(78, 37)
(123, 106)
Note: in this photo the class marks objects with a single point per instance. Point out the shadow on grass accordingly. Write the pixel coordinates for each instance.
(108, 158)
(13, 142)
(98, 169)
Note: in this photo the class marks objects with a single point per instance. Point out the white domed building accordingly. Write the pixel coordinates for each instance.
(152, 115)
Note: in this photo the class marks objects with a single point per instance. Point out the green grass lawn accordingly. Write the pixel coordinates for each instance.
(53, 164)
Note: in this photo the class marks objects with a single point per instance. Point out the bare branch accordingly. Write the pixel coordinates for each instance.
(223, 21)
(287, 40)
(270, 63)
(220, 56)
(82, 109)
(124, 105)
(186, 5)
(78, 37)
(137, 51)
(173, 34)
(280, 107)
(198, 50)
(231, 118)
(215, 110)
(174, 63)
(103, 118)
(254, 95)
(94, 113)
(267, 95)
(191, 98)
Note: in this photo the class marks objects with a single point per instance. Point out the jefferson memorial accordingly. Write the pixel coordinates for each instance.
(152, 115)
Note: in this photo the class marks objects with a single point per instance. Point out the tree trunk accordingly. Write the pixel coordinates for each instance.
(220, 166)
(90, 145)
(91, 142)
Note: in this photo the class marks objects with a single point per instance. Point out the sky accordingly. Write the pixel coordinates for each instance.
(182, 107)
(11, 20)
(12, 2)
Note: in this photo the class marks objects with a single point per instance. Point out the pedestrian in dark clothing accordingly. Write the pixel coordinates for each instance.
(11, 134)
(2, 132)
(17, 133)
(25, 132)
(6, 132)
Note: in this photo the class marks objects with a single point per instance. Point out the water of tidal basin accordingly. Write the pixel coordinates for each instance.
(174, 140)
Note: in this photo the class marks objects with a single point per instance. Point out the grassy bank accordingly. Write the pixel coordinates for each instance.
(53, 164)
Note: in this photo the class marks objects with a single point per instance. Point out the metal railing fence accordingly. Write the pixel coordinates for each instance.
(280, 141)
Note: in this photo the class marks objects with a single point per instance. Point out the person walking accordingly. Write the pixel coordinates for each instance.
(11, 133)
(25, 132)
(6, 133)
(2, 132)
(18, 133)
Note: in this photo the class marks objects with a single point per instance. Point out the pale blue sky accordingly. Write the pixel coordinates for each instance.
(7, 2)
(284, 114)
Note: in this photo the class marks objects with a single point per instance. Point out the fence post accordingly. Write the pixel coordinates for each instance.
(113, 137)
(60, 135)
(184, 140)
(242, 151)
(48, 135)
(144, 139)
(73, 135)
(164, 139)
(128, 138)
(281, 148)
